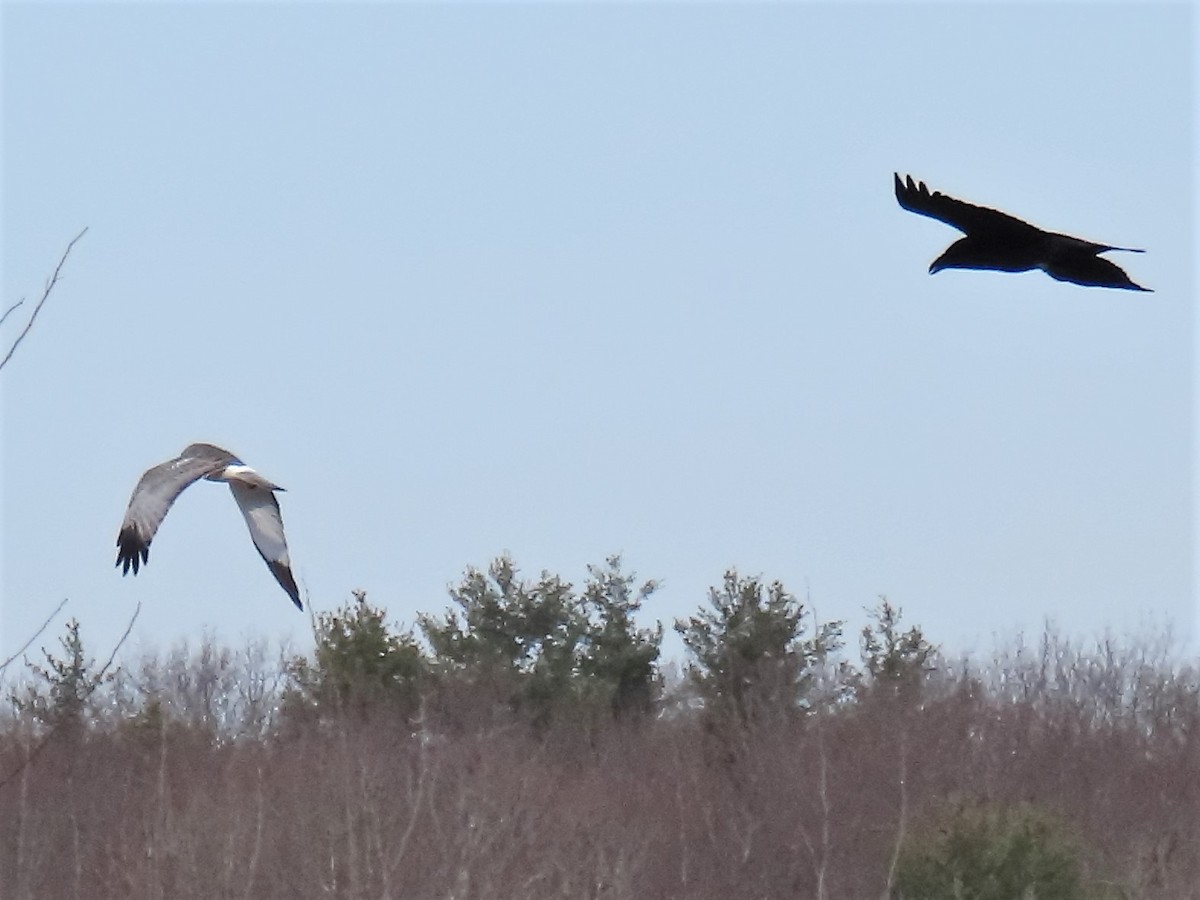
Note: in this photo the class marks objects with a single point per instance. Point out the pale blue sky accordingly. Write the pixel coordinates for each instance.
(566, 281)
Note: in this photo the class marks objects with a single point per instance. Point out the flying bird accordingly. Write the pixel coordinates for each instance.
(255, 497)
(996, 240)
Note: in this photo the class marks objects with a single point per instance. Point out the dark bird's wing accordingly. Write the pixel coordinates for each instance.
(976, 221)
(261, 511)
(153, 496)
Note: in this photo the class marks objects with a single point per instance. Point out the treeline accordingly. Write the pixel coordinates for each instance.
(530, 742)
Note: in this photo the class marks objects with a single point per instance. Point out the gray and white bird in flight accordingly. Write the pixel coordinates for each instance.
(255, 497)
(998, 241)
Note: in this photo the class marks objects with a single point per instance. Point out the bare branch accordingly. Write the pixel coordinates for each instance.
(128, 628)
(45, 295)
(8, 312)
(33, 637)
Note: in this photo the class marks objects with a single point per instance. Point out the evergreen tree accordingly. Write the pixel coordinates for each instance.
(620, 658)
(361, 666)
(896, 661)
(992, 853)
(59, 696)
(543, 649)
(518, 638)
(748, 651)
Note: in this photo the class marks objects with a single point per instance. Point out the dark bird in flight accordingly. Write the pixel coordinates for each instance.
(996, 240)
(255, 497)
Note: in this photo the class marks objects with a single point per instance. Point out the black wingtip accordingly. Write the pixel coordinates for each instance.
(131, 552)
(909, 190)
(283, 574)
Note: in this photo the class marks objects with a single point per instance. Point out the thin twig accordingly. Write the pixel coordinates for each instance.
(33, 637)
(8, 312)
(128, 628)
(45, 294)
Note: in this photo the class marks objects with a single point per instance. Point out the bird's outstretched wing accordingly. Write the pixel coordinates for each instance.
(966, 217)
(261, 511)
(155, 493)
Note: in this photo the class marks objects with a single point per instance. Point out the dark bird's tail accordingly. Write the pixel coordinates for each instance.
(1092, 271)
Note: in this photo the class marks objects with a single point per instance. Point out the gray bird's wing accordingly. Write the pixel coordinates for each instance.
(155, 493)
(261, 511)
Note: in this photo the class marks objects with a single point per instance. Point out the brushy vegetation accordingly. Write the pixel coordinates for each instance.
(526, 743)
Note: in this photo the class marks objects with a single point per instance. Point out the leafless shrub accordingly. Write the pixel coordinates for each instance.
(224, 692)
(207, 799)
